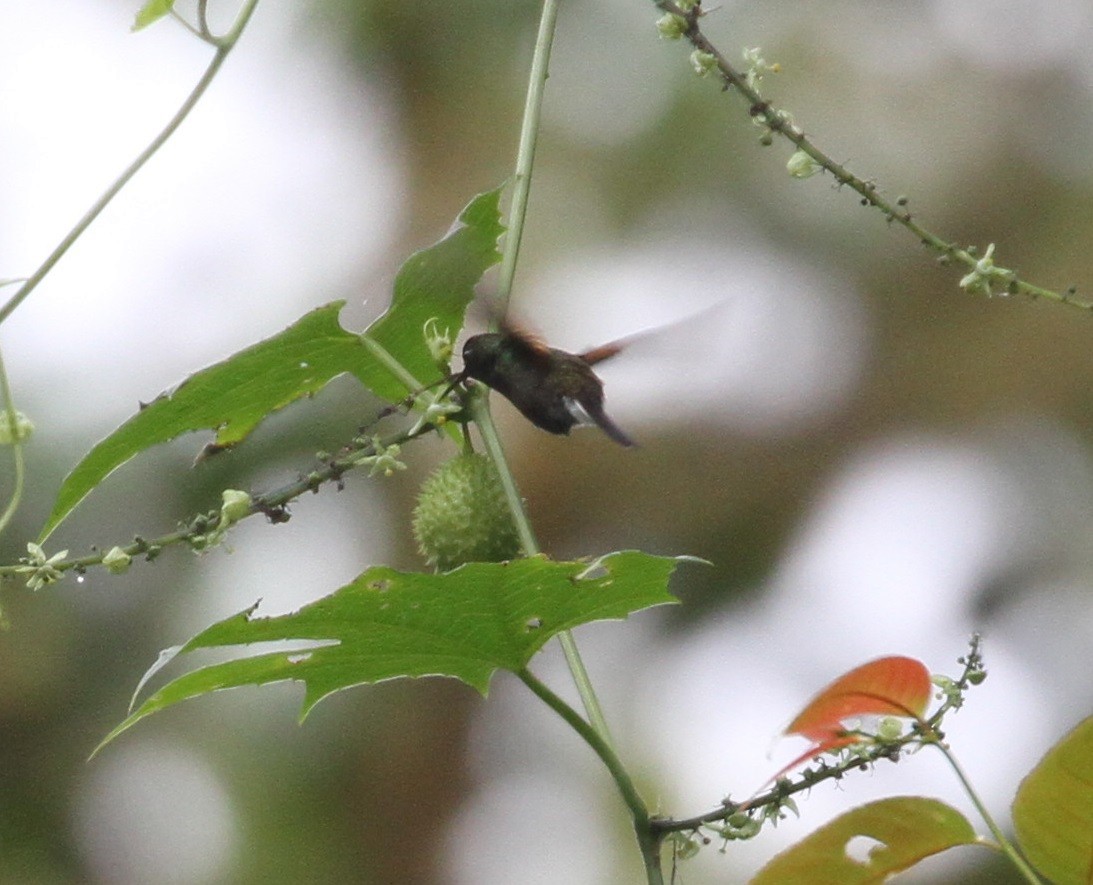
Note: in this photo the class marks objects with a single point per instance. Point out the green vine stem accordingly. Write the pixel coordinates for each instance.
(1004, 844)
(983, 273)
(525, 155)
(479, 408)
(480, 413)
(525, 158)
(648, 840)
(416, 388)
(16, 449)
(224, 45)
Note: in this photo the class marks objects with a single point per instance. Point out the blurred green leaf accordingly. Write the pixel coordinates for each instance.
(908, 828)
(386, 624)
(233, 396)
(152, 11)
(1053, 810)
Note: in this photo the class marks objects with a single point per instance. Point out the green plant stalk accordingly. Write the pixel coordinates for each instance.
(525, 155)
(1006, 846)
(480, 413)
(16, 450)
(648, 841)
(203, 19)
(404, 375)
(392, 365)
(224, 46)
(525, 160)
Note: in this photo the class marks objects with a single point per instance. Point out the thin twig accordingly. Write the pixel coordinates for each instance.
(983, 271)
(272, 504)
(224, 46)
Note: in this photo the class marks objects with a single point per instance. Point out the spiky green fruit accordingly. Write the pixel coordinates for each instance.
(462, 515)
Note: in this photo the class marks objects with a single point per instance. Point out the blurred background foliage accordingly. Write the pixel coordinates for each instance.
(875, 461)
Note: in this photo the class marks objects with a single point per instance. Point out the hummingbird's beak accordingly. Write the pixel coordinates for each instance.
(453, 382)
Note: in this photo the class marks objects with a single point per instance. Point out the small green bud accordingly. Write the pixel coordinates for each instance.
(985, 273)
(462, 515)
(685, 847)
(117, 561)
(889, 728)
(439, 343)
(435, 413)
(757, 67)
(672, 26)
(703, 62)
(235, 506)
(24, 427)
(384, 459)
(741, 826)
(801, 165)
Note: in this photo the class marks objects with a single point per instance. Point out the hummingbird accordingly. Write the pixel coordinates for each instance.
(554, 389)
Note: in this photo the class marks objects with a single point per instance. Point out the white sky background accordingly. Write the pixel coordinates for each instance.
(286, 149)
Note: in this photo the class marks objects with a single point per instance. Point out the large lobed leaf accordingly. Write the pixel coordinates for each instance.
(233, 396)
(466, 624)
(437, 282)
(897, 833)
(1053, 810)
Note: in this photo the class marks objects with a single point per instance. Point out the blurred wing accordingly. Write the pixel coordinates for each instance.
(604, 351)
(535, 346)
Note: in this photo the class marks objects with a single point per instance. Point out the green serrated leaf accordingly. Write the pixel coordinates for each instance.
(437, 282)
(906, 829)
(386, 624)
(152, 11)
(233, 396)
(1053, 810)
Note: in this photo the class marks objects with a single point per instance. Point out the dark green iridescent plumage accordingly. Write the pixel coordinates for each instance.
(552, 388)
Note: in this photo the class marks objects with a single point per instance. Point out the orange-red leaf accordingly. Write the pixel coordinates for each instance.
(892, 686)
(829, 745)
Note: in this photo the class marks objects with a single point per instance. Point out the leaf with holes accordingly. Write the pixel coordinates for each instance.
(870, 843)
(386, 624)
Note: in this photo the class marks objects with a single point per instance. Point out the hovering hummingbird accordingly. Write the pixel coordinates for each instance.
(553, 389)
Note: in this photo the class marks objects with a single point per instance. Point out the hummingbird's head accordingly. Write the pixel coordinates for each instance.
(480, 353)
